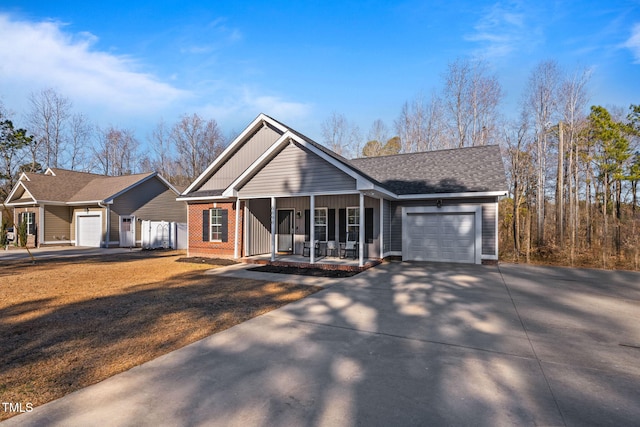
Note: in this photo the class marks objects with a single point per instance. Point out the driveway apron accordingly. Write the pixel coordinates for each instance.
(399, 344)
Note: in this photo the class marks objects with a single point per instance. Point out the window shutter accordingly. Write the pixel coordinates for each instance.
(225, 222)
(205, 226)
(307, 225)
(368, 225)
(342, 225)
(331, 223)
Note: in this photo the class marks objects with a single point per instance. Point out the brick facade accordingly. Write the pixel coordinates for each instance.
(198, 247)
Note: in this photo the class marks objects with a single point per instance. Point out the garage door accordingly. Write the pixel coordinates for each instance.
(89, 231)
(440, 237)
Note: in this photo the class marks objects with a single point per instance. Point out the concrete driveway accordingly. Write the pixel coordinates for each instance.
(400, 344)
(14, 254)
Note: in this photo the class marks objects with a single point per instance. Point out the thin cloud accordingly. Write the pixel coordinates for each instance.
(633, 43)
(41, 54)
(501, 31)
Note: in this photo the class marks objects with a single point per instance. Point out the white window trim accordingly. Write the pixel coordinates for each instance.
(326, 225)
(211, 225)
(353, 225)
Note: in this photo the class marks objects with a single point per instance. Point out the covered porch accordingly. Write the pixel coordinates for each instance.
(321, 231)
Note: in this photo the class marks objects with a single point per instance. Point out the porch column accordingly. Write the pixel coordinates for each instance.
(381, 234)
(312, 232)
(273, 229)
(361, 230)
(236, 247)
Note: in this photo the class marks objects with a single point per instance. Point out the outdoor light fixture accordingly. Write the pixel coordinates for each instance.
(299, 214)
(439, 203)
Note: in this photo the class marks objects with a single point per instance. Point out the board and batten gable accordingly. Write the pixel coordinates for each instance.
(248, 152)
(296, 171)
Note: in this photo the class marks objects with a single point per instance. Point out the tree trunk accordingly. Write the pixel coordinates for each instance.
(560, 190)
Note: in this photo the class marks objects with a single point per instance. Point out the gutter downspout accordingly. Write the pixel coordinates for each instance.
(108, 208)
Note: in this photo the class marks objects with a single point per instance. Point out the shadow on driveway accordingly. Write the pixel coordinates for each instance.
(400, 344)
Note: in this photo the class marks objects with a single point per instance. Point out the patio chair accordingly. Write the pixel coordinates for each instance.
(332, 249)
(306, 248)
(349, 248)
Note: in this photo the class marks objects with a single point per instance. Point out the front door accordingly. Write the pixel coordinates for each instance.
(285, 230)
(127, 232)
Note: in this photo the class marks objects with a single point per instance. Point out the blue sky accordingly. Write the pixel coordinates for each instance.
(130, 63)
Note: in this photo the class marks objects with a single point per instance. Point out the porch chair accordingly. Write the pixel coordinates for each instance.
(306, 248)
(349, 248)
(331, 248)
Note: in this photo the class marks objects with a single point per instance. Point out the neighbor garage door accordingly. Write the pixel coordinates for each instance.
(89, 231)
(440, 237)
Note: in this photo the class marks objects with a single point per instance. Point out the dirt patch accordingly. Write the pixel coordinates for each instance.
(69, 323)
(315, 272)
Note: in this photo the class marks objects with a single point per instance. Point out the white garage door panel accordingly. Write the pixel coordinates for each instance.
(440, 237)
(89, 231)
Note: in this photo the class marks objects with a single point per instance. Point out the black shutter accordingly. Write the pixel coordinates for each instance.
(224, 213)
(205, 225)
(331, 223)
(368, 225)
(342, 225)
(307, 225)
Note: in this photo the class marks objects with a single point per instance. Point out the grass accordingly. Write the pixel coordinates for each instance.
(66, 324)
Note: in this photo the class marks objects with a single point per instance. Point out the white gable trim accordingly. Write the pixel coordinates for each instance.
(15, 189)
(262, 119)
(135, 184)
(361, 182)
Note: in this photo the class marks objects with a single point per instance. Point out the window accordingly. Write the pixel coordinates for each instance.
(320, 224)
(353, 224)
(30, 219)
(216, 224)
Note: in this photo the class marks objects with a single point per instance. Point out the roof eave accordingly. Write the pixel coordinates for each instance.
(467, 194)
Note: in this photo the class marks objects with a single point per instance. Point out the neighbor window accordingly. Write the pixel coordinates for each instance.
(320, 224)
(353, 224)
(30, 219)
(216, 224)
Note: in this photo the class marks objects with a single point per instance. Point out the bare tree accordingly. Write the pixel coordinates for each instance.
(198, 143)
(80, 134)
(340, 136)
(116, 152)
(471, 97)
(541, 102)
(419, 125)
(47, 119)
(163, 157)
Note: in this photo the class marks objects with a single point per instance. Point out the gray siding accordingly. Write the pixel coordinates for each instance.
(151, 200)
(239, 161)
(57, 223)
(259, 220)
(387, 226)
(294, 171)
(489, 229)
(488, 221)
(258, 226)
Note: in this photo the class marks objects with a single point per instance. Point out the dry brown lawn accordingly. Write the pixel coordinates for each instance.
(69, 323)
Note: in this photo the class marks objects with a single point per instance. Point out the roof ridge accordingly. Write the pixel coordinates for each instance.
(426, 152)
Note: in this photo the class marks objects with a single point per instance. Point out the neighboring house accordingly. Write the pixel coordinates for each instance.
(261, 195)
(62, 207)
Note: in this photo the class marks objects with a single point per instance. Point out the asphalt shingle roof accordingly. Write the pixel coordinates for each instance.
(71, 186)
(461, 170)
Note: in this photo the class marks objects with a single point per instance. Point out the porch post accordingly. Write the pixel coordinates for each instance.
(381, 234)
(312, 232)
(236, 248)
(361, 230)
(273, 229)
